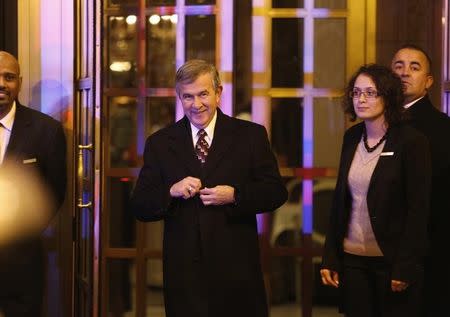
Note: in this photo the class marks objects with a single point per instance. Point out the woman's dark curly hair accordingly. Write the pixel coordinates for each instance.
(389, 87)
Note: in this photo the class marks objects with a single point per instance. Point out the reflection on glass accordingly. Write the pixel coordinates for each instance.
(200, 37)
(156, 3)
(287, 52)
(154, 296)
(331, 4)
(287, 131)
(323, 191)
(121, 287)
(329, 126)
(161, 33)
(122, 43)
(286, 224)
(329, 53)
(122, 131)
(160, 112)
(285, 279)
(200, 2)
(154, 242)
(121, 223)
(287, 3)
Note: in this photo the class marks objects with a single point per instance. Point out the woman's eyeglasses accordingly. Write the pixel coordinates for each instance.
(369, 94)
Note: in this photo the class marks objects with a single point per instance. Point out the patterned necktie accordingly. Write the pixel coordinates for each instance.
(202, 147)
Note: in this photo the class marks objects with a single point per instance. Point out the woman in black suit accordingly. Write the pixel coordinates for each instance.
(376, 240)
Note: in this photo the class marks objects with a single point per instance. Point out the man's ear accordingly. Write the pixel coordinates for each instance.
(429, 82)
(219, 93)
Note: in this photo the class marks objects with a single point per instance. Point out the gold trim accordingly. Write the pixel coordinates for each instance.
(299, 13)
(226, 77)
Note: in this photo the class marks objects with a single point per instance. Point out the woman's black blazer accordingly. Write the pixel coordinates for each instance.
(397, 200)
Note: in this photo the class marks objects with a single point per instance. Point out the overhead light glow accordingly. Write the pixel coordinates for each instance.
(154, 19)
(131, 19)
(174, 18)
(120, 66)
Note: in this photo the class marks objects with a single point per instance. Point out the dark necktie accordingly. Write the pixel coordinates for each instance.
(201, 148)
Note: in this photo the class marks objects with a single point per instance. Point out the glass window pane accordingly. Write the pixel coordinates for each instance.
(323, 192)
(160, 112)
(287, 131)
(155, 296)
(287, 220)
(122, 131)
(201, 37)
(161, 33)
(156, 3)
(323, 297)
(329, 127)
(122, 226)
(120, 287)
(121, 59)
(287, 3)
(331, 4)
(200, 2)
(287, 52)
(329, 69)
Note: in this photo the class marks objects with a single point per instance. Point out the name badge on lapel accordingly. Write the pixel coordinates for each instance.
(387, 154)
(29, 161)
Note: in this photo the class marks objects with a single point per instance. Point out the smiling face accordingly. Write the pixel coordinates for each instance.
(414, 70)
(200, 100)
(368, 105)
(10, 82)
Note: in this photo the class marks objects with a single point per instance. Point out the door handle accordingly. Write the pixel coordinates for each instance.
(80, 174)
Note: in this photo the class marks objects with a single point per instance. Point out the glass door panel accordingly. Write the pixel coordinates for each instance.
(139, 62)
(201, 37)
(122, 45)
(287, 51)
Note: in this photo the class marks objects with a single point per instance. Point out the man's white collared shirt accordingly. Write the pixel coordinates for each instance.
(6, 125)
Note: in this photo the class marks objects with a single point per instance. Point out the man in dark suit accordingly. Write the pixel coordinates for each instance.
(34, 143)
(413, 66)
(208, 190)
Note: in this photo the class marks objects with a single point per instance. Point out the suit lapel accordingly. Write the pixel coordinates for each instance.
(18, 138)
(180, 144)
(222, 142)
(381, 166)
(349, 152)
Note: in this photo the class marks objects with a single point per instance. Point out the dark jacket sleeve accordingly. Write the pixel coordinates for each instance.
(417, 174)
(150, 199)
(264, 190)
(330, 257)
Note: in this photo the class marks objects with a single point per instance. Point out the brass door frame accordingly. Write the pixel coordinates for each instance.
(86, 141)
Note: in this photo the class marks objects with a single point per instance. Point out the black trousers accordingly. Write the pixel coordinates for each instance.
(365, 284)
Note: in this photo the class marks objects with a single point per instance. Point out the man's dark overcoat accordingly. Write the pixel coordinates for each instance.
(435, 125)
(211, 253)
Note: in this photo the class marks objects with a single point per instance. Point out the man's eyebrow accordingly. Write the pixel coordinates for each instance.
(416, 63)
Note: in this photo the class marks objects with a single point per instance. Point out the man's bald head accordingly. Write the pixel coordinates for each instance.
(10, 82)
(4, 54)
